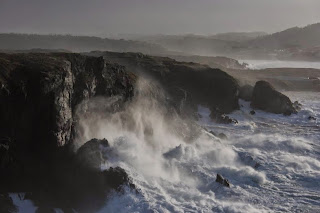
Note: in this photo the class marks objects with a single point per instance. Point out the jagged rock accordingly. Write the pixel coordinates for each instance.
(39, 95)
(221, 118)
(90, 155)
(190, 83)
(311, 118)
(266, 98)
(245, 92)
(44, 89)
(222, 180)
(252, 112)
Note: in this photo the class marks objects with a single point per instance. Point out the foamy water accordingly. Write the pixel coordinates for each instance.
(263, 64)
(271, 161)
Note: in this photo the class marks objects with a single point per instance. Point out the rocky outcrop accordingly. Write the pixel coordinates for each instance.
(89, 154)
(186, 84)
(39, 94)
(266, 98)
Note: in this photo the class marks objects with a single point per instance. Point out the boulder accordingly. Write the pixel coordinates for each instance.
(222, 180)
(266, 98)
(90, 155)
(252, 112)
(116, 178)
(245, 92)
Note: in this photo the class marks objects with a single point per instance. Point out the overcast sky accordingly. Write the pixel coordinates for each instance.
(98, 17)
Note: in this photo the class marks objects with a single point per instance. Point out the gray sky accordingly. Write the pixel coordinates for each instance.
(98, 17)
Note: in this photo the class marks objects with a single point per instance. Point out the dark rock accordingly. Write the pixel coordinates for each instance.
(43, 91)
(190, 83)
(222, 180)
(245, 92)
(252, 112)
(6, 204)
(221, 118)
(39, 95)
(266, 98)
(90, 155)
(116, 178)
(311, 118)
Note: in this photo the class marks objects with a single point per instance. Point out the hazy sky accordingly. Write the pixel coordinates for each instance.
(98, 17)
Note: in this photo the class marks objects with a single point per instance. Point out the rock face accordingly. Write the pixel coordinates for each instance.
(266, 98)
(39, 94)
(187, 84)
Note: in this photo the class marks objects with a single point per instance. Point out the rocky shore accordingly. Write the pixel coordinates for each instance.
(39, 95)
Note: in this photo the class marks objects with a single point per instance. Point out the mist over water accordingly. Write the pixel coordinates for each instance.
(174, 162)
(264, 64)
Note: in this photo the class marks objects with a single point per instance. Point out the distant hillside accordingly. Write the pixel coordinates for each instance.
(306, 37)
(74, 43)
(193, 44)
(238, 36)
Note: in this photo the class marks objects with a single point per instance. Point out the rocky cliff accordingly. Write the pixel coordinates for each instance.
(186, 82)
(38, 95)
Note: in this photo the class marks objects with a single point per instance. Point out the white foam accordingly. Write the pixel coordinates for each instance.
(266, 159)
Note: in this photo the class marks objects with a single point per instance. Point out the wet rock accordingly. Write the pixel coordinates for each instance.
(221, 118)
(266, 98)
(90, 154)
(116, 178)
(252, 112)
(311, 118)
(222, 180)
(245, 92)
